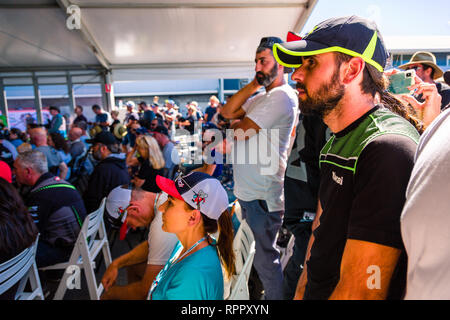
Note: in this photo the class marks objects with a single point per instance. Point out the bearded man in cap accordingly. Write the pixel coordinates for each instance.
(269, 116)
(356, 249)
(424, 63)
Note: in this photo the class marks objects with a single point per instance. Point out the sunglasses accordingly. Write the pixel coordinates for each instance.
(180, 178)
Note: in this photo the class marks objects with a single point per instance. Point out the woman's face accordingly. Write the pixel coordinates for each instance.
(175, 216)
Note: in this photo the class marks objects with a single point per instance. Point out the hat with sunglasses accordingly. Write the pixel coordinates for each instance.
(116, 204)
(355, 36)
(200, 190)
(426, 58)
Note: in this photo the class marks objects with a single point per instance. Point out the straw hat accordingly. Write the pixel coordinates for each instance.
(426, 58)
(120, 131)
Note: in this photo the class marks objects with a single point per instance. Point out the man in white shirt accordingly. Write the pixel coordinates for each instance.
(266, 122)
(153, 253)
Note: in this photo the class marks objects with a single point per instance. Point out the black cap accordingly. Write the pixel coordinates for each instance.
(103, 137)
(353, 35)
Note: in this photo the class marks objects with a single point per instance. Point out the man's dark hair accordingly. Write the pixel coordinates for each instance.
(79, 107)
(80, 124)
(374, 82)
(96, 106)
(425, 67)
(267, 43)
(54, 108)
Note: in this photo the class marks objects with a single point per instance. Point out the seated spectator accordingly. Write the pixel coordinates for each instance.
(5, 171)
(57, 141)
(150, 256)
(80, 117)
(57, 123)
(8, 152)
(55, 206)
(84, 136)
(151, 162)
(76, 146)
(110, 172)
(17, 137)
(54, 160)
(212, 108)
(170, 153)
(129, 140)
(196, 207)
(17, 230)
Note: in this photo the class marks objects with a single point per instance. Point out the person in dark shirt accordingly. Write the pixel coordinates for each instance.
(80, 116)
(17, 230)
(55, 206)
(356, 249)
(110, 172)
(151, 163)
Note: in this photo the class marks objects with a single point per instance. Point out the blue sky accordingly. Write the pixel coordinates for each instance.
(393, 17)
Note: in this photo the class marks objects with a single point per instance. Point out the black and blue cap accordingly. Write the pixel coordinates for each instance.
(355, 36)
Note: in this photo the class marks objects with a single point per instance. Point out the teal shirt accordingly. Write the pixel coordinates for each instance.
(196, 277)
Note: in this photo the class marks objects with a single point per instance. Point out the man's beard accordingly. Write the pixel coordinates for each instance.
(97, 155)
(326, 98)
(267, 79)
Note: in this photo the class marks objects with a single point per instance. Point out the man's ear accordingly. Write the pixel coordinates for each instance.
(352, 69)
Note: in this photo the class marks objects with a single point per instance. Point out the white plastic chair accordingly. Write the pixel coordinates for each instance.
(22, 269)
(244, 250)
(86, 249)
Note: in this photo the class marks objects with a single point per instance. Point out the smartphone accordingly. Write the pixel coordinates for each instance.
(399, 82)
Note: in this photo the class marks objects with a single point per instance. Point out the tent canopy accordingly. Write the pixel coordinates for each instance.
(144, 39)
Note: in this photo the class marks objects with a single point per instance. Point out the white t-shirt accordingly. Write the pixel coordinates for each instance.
(425, 219)
(259, 163)
(160, 243)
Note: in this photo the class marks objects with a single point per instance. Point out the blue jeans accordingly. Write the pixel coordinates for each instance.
(265, 226)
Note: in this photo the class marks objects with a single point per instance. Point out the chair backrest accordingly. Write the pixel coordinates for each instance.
(239, 287)
(242, 244)
(92, 223)
(17, 269)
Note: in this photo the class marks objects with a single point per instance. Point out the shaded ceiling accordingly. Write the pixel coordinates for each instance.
(144, 39)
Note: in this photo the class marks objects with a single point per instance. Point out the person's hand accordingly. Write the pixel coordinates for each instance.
(110, 276)
(428, 110)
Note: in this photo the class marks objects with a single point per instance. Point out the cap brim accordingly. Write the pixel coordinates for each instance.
(168, 186)
(437, 71)
(289, 54)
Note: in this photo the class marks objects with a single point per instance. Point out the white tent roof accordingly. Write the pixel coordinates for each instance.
(145, 39)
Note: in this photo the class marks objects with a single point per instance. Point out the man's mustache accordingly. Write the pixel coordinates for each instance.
(301, 86)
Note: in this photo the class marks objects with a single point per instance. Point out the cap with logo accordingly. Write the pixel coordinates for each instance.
(103, 137)
(200, 190)
(355, 36)
(116, 204)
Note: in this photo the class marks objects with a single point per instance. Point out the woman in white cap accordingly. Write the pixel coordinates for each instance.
(196, 207)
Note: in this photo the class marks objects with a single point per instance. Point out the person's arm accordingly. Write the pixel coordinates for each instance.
(136, 290)
(131, 159)
(302, 281)
(366, 271)
(63, 169)
(233, 108)
(137, 255)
